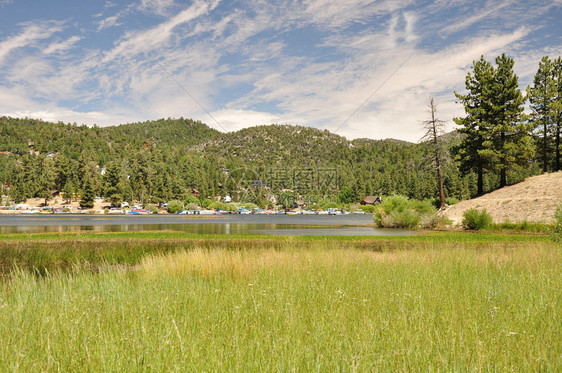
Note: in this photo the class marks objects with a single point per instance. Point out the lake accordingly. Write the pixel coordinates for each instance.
(292, 225)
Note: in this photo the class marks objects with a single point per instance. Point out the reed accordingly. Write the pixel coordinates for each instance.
(292, 305)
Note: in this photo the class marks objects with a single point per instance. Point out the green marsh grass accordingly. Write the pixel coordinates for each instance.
(293, 305)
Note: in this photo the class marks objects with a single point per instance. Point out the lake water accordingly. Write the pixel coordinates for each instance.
(286, 225)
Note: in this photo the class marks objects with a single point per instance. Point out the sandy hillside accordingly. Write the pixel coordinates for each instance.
(57, 202)
(534, 200)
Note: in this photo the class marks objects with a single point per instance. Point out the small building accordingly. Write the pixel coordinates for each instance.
(371, 200)
(195, 192)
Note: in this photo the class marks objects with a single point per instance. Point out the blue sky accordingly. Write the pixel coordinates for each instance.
(252, 62)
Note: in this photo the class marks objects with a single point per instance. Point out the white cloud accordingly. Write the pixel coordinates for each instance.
(152, 39)
(238, 65)
(109, 21)
(159, 7)
(464, 22)
(62, 46)
(236, 119)
(30, 34)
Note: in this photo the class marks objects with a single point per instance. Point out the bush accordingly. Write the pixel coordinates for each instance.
(367, 208)
(174, 206)
(557, 232)
(206, 203)
(223, 206)
(406, 218)
(192, 199)
(449, 201)
(474, 219)
(248, 205)
(401, 212)
(152, 208)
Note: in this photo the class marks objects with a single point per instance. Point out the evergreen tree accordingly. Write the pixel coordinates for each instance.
(112, 183)
(68, 191)
(345, 195)
(46, 180)
(508, 144)
(556, 110)
(87, 200)
(476, 123)
(542, 95)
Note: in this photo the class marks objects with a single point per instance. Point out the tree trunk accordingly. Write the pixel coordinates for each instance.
(544, 150)
(480, 180)
(503, 178)
(558, 146)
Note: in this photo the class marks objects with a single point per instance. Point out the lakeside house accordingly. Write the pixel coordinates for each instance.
(371, 200)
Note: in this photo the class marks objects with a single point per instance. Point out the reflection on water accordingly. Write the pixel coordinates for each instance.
(213, 228)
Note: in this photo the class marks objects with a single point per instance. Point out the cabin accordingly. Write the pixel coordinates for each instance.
(195, 192)
(371, 200)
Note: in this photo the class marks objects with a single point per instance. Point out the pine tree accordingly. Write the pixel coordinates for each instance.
(556, 109)
(542, 95)
(475, 124)
(112, 183)
(87, 200)
(508, 144)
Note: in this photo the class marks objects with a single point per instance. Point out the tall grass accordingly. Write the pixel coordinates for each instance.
(322, 306)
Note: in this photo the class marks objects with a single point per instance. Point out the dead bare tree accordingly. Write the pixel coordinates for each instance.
(435, 128)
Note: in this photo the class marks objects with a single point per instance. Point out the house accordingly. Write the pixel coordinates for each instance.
(33, 152)
(195, 192)
(5, 153)
(371, 200)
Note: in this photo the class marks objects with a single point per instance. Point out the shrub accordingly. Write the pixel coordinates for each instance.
(557, 232)
(401, 212)
(367, 208)
(474, 219)
(406, 218)
(248, 205)
(206, 203)
(174, 206)
(449, 201)
(152, 208)
(223, 206)
(192, 199)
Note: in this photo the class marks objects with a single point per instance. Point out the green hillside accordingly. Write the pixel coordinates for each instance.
(167, 158)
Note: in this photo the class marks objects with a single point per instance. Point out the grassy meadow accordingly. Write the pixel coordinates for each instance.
(169, 301)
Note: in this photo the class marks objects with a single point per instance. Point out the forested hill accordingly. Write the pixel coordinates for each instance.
(279, 145)
(19, 135)
(165, 159)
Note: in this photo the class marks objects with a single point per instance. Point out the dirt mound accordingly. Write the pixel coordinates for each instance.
(533, 200)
